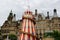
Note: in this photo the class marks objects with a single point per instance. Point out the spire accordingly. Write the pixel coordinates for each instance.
(10, 17)
(28, 8)
(28, 5)
(11, 11)
(55, 13)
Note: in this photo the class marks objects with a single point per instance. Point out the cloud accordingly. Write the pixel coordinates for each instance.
(19, 6)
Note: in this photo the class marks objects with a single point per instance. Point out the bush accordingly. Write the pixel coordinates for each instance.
(12, 37)
(54, 34)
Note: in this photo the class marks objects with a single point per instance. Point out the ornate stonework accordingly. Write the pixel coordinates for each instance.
(43, 24)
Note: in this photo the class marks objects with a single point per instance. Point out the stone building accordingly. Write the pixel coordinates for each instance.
(0, 34)
(43, 24)
(10, 26)
(46, 24)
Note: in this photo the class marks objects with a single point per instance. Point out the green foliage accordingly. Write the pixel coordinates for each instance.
(54, 34)
(12, 37)
(48, 34)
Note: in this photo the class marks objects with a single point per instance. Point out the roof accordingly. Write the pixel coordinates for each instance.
(0, 27)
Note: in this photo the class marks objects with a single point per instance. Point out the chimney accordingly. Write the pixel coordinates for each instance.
(36, 12)
(55, 13)
(47, 15)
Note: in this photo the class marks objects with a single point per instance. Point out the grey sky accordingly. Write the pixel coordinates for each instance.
(19, 6)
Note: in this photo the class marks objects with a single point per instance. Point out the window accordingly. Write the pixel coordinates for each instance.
(5, 31)
(59, 25)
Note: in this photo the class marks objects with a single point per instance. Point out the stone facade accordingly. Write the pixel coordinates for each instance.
(43, 24)
(10, 26)
(47, 24)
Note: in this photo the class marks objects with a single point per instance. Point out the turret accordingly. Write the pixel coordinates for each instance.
(10, 17)
(14, 17)
(55, 13)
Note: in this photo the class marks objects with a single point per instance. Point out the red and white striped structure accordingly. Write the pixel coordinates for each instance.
(28, 27)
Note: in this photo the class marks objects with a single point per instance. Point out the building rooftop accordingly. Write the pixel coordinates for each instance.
(0, 27)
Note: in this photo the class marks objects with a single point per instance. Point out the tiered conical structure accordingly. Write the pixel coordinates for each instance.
(28, 27)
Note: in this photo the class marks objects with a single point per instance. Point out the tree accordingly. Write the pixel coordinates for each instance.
(54, 34)
(12, 37)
